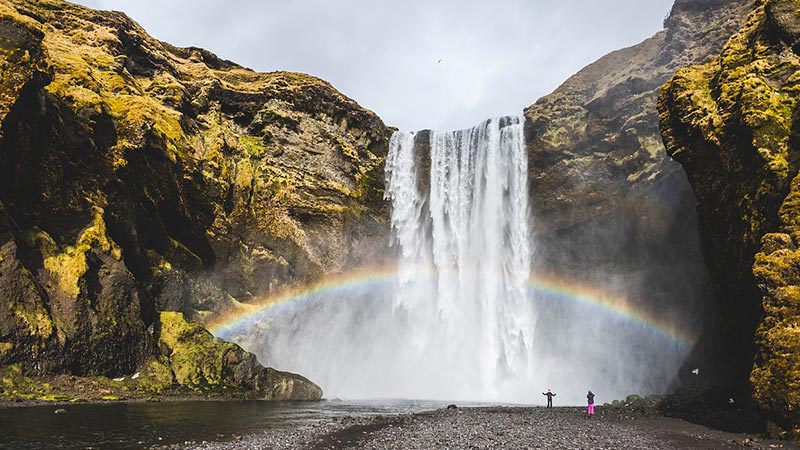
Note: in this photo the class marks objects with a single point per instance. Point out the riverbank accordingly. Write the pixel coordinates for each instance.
(18, 390)
(498, 428)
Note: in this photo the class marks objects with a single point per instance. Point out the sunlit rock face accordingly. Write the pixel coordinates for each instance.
(609, 207)
(137, 177)
(732, 124)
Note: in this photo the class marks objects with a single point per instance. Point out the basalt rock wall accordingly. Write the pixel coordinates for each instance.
(733, 125)
(610, 208)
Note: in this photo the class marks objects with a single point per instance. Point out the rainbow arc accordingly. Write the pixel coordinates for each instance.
(386, 277)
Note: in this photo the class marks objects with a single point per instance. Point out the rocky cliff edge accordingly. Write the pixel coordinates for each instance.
(138, 178)
(733, 125)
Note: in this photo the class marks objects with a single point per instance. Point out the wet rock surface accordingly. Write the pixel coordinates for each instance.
(498, 428)
(608, 201)
(732, 124)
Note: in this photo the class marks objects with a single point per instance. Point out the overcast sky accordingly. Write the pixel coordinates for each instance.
(417, 63)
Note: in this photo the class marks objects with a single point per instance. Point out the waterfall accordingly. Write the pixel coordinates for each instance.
(459, 318)
(455, 320)
(462, 231)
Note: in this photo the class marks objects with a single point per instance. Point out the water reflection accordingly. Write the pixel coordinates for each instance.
(143, 425)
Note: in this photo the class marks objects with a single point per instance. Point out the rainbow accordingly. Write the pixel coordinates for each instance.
(244, 313)
(386, 277)
(612, 305)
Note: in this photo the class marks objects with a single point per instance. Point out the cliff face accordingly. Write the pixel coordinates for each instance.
(137, 177)
(597, 135)
(733, 125)
(609, 206)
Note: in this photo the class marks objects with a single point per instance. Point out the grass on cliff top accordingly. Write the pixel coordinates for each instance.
(90, 77)
(94, 76)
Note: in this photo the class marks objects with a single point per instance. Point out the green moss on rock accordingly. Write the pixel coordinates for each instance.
(732, 124)
(56, 398)
(18, 386)
(155, 377)
(130, 169)
(191, 357)
(196, 357)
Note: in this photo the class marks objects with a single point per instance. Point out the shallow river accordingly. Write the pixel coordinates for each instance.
(144, 425)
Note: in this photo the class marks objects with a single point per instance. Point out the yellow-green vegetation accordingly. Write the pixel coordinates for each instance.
(730, 123)
(155, 377)
(299, 132)
(32, 314)
(196, 357)
(252, 145)
(745, 86)
(748, 87)
(56, 398)
(17, 386)
(776, 374)
(90, 77)
(14, 382)
(68, 266)
(20, 56)
(192, 358)
(189, 158)
(36, 318)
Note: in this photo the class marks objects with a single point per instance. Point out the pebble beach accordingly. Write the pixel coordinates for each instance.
(566, 428)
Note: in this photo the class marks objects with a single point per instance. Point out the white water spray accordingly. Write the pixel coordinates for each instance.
(472, 326)
(460, 321)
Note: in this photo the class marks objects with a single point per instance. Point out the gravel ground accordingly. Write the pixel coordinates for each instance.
(498, 428)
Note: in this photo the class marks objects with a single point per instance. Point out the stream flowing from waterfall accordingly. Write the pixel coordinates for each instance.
(461, 316)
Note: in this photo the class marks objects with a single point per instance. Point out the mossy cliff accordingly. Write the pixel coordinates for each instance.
(609, 205)
(733, 125)
(190, 356)
(137, 177)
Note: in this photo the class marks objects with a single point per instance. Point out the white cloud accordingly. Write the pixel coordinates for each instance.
(496, 57)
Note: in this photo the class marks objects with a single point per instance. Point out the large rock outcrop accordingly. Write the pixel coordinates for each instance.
(733, 125)
(137, 177)
(610, 207)
(190, 356)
